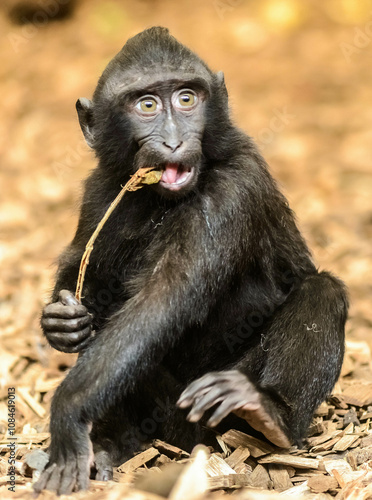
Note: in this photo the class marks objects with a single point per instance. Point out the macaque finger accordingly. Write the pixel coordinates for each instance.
(70, 343)
(212, 397)
(68, 479)
(58, 310)
(42, 482)
(68, 298)
(70, 325)
(226, 407)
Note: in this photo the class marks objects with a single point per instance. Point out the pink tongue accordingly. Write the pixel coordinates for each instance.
(170, 174)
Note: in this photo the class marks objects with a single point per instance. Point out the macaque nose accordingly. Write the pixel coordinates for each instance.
(173, 145)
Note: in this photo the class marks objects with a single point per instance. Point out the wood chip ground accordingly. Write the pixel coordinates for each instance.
(335, 462)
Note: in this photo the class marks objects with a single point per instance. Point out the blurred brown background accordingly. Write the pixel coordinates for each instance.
(300, 82)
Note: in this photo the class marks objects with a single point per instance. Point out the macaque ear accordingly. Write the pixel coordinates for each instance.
(221, 81)
(84, 108)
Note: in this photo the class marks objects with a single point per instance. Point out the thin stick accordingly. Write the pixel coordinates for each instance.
(142, 177)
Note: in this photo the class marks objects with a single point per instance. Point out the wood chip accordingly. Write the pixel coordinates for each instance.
(366, 416)
(316, 428)
(298, 491)
(322, 484)
(226, 449)
(193, 481)
(355, 444)
(27, 439)
(324, 438)
(128, 478)
(344, 479)
(358, 394)
(359, 350)
(340, 469)
(162, 460)
(297, 462)
(366, 441)
(349, 429)
(216, 466)
(155, 480)
(341, 413)
(24, 409)
(243, 468)
(238, 456)
(256, 447)
(345, 442)
(23, 392)
(170, 450)
(280, 477)
(132, 494)
(359, 456)
(232, 481)
(296, 480)
(305, 476)
(229, 481)
(42, 385)
(322, 410)
(138, 460)
(260, 478)
(291, 471)
(338, 401)
(325, 446)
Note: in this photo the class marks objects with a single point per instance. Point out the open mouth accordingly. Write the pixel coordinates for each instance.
(175, 176)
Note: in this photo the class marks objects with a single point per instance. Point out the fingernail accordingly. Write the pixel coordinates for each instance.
(184, 403)
(194, 417)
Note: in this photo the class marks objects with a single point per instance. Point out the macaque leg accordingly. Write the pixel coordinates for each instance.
(303, 347)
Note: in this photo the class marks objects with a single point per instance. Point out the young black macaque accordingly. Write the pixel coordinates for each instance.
(200, 291)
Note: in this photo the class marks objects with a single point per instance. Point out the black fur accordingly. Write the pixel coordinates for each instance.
(216, 278)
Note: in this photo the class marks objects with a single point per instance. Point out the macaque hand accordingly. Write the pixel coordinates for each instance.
(229, 390)
(67, 324)
(232, 392)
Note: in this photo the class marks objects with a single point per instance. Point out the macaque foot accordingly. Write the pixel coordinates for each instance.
(65, 476)
(233, 393)
(67, 324)
(71, 476)
(103, 465)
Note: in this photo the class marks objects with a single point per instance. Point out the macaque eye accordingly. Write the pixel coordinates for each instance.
(186, 99)
(147, 105)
